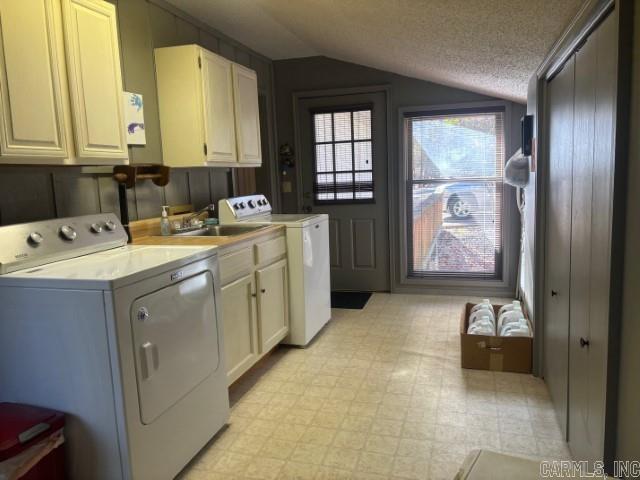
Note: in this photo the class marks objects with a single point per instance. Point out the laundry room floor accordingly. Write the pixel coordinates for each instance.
(378, 395)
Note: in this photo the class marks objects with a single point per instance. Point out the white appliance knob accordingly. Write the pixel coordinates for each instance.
(68, 233)
(110, 225)
(35, 238)
(96, 228)
(241, 205)
(236, 206)
(251, 204)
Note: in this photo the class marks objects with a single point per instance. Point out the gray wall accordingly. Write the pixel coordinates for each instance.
(322, 73)
(32, 193)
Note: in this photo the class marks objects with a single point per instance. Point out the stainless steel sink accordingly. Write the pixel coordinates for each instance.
(220, 231)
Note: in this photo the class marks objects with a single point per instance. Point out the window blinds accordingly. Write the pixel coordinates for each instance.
(455, 193)
(343, 156)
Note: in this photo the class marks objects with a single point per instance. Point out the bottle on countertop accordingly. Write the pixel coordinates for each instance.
(165, 225)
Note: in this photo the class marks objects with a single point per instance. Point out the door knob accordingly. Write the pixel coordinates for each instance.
(584, 342)
(143, 314)
(263, 290)
(554, 293)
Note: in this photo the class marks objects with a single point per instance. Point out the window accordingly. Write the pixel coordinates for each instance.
(454, 193)
(343, 166)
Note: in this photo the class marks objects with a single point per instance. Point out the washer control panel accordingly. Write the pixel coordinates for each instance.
(31, 244)
(239, 208)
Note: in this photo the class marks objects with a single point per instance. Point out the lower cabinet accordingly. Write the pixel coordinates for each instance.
(273, 304)
(255, 303)
(239, 326)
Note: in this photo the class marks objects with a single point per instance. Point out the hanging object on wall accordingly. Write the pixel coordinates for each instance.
(526, 124)
(127, 175)
(286, 157)
(134, 118)
(516, 171)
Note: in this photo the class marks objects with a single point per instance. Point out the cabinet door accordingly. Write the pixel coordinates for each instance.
(240, 328)
(273, 304)
(217, 86)
(95, 79)
(245, 83)
(31, 70)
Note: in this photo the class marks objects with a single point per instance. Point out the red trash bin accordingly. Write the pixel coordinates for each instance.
(31, 441)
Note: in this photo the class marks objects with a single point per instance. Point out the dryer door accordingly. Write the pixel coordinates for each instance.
(175, 340)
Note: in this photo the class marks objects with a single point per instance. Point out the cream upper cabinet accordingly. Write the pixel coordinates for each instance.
(245, 84)
(33, 120)
(95, 78)
(57, 108)
(195, 96)
(208, 109)
(217, 89)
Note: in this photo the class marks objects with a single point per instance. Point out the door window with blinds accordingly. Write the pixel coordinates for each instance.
(343, 163)
(454, 193)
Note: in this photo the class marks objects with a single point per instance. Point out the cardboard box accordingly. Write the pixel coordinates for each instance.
(500, 354)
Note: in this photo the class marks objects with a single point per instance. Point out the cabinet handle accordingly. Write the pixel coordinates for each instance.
(583, 342)
(263, 290)
(253, 295)
(554, 293)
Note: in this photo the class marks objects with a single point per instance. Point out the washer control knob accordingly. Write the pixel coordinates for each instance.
(68, 233)
(236, 206)
(242, 205)
(110, 225)
(35, 238)
(96, 228)
(251, 204)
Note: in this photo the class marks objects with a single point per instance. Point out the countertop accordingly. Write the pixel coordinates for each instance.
(213, 241)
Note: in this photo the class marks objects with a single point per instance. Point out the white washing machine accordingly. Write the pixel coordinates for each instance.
(308, 259)
(124, 339)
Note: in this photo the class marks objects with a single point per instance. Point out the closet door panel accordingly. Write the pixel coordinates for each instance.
(581, 216)
(558, 239)
(602, 204)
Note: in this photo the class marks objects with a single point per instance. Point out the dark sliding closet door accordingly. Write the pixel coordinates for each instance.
(558, 241)
(593, 170)
(581, 122)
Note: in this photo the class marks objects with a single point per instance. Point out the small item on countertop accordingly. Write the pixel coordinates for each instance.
(165, 225)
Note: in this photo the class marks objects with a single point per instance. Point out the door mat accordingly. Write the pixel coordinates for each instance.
(350, 300)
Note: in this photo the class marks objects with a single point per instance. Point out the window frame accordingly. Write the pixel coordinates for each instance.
(333, 142)
(411, 182)
(506, 282)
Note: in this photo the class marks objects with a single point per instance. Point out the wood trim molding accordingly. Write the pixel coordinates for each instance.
(585, 21)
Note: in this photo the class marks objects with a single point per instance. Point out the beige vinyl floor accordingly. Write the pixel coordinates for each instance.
(378, 395)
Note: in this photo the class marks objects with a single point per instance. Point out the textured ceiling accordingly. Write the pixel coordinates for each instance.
(487, 46)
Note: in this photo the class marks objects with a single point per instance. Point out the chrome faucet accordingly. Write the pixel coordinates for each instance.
(188, 219)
